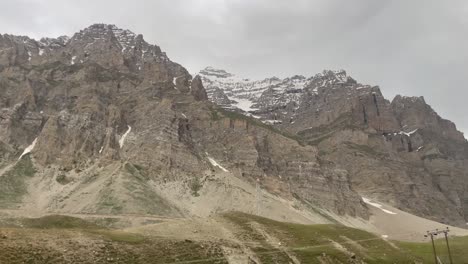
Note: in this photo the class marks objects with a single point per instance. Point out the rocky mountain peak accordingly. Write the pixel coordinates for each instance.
(59, 42)
(213, 72)
(413, 111)
(126, 39)
(111, 125)
(329, 108)
(109, 45)
(260, 97)
(295, 78)
(330, 77)
(99, 43)
(400, 99)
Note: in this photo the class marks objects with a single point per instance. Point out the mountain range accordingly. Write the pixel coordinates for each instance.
(105, 123)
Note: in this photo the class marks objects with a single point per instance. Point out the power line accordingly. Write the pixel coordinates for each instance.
(435, 233)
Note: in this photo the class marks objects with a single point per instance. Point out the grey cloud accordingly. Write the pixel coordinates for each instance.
(406, 47)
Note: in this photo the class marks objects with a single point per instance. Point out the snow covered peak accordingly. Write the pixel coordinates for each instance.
(233, 92)
(96, 40)
(333, 76)
(274, 100)
(218, 73)
(331, 73)
(297, 77)
(54, 42)
(125, 39)
(102, 31)
(104, 28)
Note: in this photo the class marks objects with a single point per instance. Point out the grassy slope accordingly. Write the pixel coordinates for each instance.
(219, 113)
(13, 183)
(310, 243)
(130, 193)
(62, 239)
(458, 247)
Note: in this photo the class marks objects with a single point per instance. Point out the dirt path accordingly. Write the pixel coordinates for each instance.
(274, 242)
(27, 213)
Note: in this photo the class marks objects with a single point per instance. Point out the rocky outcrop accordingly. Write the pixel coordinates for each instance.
(401, 152)
(108, 121)
(413, 113)
(104, 122)
(197, 89)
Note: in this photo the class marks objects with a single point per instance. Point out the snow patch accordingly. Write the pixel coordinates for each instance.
(408, 133)
(244, 104)
(214, 163)
(272, 122)
(29, 55)
(29, 148)
(41, 52)
(174, 81)
(124, 136)
(377, 205)
(73, 60)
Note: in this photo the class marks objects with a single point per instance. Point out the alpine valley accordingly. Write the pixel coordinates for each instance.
(103, 126)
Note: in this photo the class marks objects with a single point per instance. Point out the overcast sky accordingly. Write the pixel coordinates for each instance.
(407, 47)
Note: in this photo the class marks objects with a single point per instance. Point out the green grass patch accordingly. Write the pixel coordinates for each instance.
(109, 203)
(119, 236)
(13, 182)
(58, 222)
(315, 135)
(195, 186)
(218, 113)
(74, 223)
(102, 246)
(214, 115)
(144, 199)
(136, 171)
(62, 179)
(366, 150)
(458, 248)
(310, 243)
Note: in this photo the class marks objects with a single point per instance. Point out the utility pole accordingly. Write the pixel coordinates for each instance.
(448, 247)
(435, 233)
(433, 246)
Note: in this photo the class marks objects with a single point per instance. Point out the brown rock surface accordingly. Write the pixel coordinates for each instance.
(400, 152)
(117, 123)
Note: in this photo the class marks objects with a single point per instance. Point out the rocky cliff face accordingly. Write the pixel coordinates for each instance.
(401, 152)
(104, 122)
